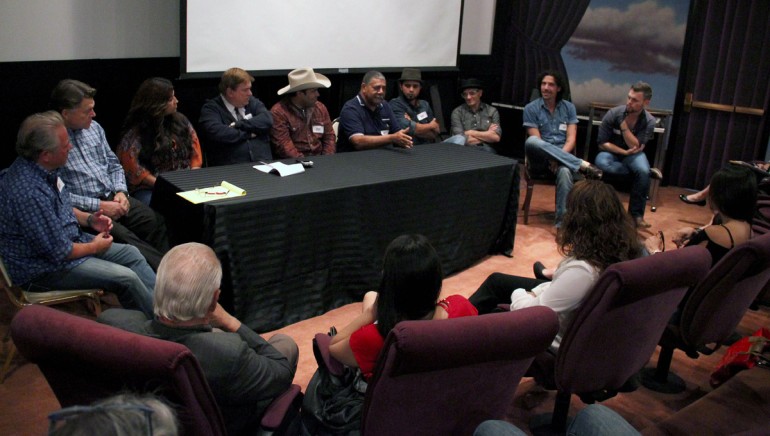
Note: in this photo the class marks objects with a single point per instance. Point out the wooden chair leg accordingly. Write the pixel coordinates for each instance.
(527, 201)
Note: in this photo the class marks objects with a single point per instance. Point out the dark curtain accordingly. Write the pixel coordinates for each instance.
(537, 31)
(727, 61)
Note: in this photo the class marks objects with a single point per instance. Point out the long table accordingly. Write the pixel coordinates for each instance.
(294, 247)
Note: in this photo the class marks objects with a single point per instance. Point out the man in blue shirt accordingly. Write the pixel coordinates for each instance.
(96, 179)
(41, 240)
(624, 132)
(551, 124)
(412, 112)
(367, 121)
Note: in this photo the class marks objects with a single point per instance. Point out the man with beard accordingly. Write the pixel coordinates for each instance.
(623, 134)
(301, 124)
(412, 112)
(367, 121)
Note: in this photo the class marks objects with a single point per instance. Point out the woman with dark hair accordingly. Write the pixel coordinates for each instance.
(732, 195)
(595, 233)
(409, 290)
(156, 138)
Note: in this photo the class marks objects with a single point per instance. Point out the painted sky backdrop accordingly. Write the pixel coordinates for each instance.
(619, 42)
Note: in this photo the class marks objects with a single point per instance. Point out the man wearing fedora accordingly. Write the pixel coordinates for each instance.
(235, 125)
(412, 112)
(475, 123)
(367, 121)
(301, 124)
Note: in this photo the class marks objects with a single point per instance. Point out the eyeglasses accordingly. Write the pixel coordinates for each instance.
(469, 93)
(57, 419)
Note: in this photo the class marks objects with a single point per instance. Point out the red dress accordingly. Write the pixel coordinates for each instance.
(367, 343)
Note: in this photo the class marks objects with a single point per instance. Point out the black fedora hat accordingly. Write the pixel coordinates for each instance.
(471, 83)
(410, 74)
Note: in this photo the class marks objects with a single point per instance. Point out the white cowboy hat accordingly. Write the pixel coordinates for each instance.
(305, 78)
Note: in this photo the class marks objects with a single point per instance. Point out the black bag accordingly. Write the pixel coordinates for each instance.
(332, 404)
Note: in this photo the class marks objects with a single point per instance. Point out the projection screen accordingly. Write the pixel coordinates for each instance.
(338, 35)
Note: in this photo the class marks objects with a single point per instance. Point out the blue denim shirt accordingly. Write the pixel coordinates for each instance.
(537, 115)
(37, 224)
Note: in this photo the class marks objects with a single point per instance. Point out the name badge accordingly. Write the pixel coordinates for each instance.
(422, 115)
(318, 129)
(384, 132)
(59, 184)
(247, 116)
(563, 127)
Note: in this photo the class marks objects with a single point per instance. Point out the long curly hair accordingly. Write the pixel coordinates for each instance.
(164, 137)
(596, 228)
(411, 282)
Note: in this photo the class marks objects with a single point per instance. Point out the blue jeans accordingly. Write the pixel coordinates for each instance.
(460, 140)
(121, 270)
(593, 420)
(638, 167)
(143, 195)
(539, 152)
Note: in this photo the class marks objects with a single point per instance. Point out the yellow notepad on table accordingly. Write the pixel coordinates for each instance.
(202, 195)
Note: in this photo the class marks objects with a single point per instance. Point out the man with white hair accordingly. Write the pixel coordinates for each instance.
(245, 372)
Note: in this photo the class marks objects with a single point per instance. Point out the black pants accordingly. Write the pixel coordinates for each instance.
(143, 228)
(497, 289)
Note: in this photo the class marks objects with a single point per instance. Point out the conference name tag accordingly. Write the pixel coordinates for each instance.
(616, 131)
(563, 127)
(384, 132)
(422, 115)
(318, 129)
(247, 116)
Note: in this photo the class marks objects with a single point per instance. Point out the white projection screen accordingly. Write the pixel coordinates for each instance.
(338, 35)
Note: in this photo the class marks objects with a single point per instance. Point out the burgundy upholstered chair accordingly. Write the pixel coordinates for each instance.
(712, 310)
(617, 327)
(446, 377)
(84, 361)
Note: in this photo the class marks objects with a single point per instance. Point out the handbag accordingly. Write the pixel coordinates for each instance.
(746, 353)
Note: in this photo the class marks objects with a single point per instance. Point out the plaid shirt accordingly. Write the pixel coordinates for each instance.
(37, 225)
(92, 172)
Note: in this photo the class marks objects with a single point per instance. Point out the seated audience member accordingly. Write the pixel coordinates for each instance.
(593, 420)
(245, 372)
(367, 120)
(623, 134)
(595, 233)
(96, 180)
(412, 112)
(119, 415)
(732, 196)
(41, 241)
(551, 124)
(301, 124)
(759, 168)
(235, 125)
(409, 290)
(156, 138)
(475, 123)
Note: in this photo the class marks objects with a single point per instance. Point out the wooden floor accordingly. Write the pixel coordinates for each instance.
(26, 399)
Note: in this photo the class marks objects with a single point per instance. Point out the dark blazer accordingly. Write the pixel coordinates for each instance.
(244, 372)
(246, 141)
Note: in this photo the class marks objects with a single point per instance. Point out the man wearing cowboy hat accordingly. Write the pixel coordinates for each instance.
(235, 125)
(475, 123)
(412, 112)
(367, 121)
(301, 124)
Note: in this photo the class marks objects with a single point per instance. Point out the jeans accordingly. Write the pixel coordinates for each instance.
(460, 140)
(143, 195)
(593, 420)
(638, 167)
(539, 152)
(121, 270)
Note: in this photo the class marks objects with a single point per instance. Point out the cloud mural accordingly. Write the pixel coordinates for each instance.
(597, 90)
(644, 38)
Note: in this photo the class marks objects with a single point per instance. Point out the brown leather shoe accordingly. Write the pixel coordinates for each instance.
(641, 223)
(656, 174)
(592, 172)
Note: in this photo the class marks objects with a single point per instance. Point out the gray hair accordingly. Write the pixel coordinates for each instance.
(372, 75)
(188, 276)
(69, 93)
(38, 134)
(644, 88)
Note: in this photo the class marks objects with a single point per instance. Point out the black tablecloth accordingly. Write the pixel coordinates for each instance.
(297, 246)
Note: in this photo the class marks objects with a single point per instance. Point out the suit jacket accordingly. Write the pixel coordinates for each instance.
(244, 372)
(246, 141)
